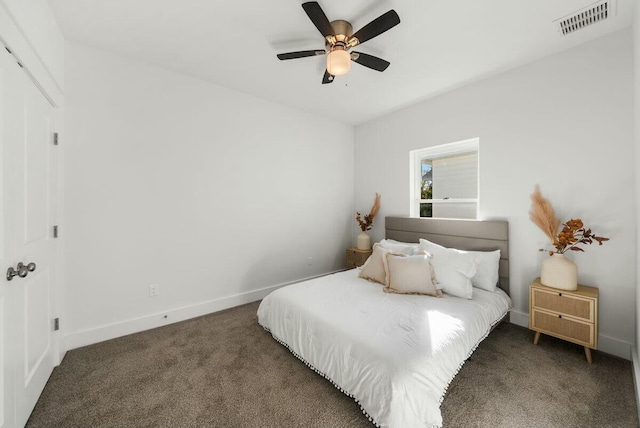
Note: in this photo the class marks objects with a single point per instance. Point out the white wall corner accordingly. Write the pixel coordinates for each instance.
(111, 331)
(636, 76)
(636, 376)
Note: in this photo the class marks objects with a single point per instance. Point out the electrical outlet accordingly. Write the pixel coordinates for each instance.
(309, 261)
(153, 290)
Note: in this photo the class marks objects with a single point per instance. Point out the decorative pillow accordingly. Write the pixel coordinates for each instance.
(410, 274)
(399, 247)
(373, 268)
(487, 264)
(454, 270)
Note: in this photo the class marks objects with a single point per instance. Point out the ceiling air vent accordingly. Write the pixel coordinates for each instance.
(591, 14)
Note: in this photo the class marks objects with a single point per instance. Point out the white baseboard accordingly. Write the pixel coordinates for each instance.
(614, 346)
(74, 340)
(136, 325)
(607, 344)
(636, 376)
(519, 318)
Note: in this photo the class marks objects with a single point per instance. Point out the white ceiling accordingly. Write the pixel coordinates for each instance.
(439, 45)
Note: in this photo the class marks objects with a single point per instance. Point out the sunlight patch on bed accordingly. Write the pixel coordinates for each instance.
(443, 328)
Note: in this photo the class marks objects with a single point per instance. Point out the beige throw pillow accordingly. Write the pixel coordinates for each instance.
(410, 274)
(373, 268)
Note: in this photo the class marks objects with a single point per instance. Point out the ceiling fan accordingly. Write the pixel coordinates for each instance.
(339, 38)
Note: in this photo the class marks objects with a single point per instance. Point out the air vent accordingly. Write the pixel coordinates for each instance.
(591, 14)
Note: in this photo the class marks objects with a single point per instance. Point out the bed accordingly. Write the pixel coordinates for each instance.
(395, 354)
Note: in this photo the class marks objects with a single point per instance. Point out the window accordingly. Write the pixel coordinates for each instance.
(444, 180)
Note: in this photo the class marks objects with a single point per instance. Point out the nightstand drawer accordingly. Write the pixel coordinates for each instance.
(356, 258)
(563, 328)
(563, 303)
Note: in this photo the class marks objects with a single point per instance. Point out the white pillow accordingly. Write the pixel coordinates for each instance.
(487, 275)
(487, 264)
(454, 272)
(410, 274)
(399, 247)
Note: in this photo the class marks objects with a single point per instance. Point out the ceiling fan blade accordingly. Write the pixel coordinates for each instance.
(370, 61)
(300, 54)
(378, 26)
(327, 78)
(319, 19)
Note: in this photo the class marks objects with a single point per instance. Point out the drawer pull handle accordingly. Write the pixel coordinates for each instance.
(559, 316)
(560, 294)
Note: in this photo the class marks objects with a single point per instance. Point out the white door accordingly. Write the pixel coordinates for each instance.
(8, 334)
(27, 138)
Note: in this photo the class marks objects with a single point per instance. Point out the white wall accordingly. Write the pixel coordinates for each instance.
(636, 79)
(210, 193)
(564, 122)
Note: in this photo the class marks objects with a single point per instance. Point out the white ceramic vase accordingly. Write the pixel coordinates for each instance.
(559, 272)
(363, 242)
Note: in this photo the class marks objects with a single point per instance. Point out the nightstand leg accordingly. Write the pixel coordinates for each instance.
(587, 352)
(536, 338)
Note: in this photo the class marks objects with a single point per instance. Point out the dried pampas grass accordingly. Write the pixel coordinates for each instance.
(367, 223)
(542, 214)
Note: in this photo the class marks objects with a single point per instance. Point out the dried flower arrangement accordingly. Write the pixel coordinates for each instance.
(367, 223)
(573, 232)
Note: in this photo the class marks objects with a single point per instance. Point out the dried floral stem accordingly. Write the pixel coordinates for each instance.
(367, 223)
(573, 232)
(543, 215)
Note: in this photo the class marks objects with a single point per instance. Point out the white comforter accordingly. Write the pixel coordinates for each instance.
(394, 354)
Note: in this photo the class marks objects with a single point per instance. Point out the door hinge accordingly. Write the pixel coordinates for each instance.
(55, 138)
(55, 231)
(56, 324)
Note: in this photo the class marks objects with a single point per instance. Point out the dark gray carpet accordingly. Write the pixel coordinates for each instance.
(224, 370)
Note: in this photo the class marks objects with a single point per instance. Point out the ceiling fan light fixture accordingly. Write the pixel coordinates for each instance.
(339, 38)
(338, 61)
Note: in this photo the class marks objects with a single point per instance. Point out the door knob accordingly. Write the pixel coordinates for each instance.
(21, 270)
(25, 269)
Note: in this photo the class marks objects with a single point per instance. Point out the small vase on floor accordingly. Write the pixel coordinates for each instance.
(363, 242)
(559, 272)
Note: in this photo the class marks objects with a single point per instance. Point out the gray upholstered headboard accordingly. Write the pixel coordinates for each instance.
(476, 235)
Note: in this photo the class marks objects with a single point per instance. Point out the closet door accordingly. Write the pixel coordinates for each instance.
(28, 138)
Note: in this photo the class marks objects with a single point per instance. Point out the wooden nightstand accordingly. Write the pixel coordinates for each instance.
(568, 315)
(356, 258)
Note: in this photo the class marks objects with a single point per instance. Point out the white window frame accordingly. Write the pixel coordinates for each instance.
(415, 161)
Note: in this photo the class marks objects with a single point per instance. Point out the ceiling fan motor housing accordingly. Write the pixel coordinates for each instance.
(342, 30)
